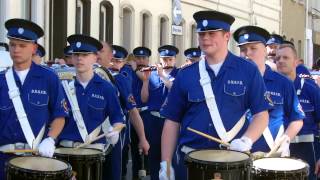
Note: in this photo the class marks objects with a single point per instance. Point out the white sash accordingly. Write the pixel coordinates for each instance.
(301, 86)
(205, 82)
(14, 95)
(268, 136)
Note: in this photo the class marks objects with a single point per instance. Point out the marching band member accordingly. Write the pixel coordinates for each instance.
(155, 88)
(141, 60)
(37, 57)
(193, 55)
(285, 116)
(303, 145)
(214, 99)
(95, 98)
(116, 55)
(31, 97)
(272, 45)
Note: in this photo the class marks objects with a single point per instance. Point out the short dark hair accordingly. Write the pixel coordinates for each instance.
(282, 46)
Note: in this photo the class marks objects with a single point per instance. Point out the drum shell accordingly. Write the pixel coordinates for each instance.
(17, 173)
(86, 167)
(204, 170)
(266, 174)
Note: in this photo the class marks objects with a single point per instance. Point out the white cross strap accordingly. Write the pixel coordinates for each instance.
(14, 95)
(77, 116)
(205, 82)
(268, 136)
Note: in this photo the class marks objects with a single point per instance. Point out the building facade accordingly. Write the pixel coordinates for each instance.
(293, 24)
(132, 23)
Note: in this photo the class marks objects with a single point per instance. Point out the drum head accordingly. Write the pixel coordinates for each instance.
(79, 151)
(279, 164)
(38, 164)
(218, 156)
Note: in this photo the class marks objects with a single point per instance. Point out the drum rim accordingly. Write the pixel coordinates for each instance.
(91, 156)
(306, 168)
(243, 163)
(8, 165)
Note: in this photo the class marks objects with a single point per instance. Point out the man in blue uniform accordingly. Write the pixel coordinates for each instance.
(192, 55)
(141, 58)
(303, 145)
(285, 109)
(117, 54)
(31, 97)
(155, 88)
(217, 81)
(37, 57)
(272, 45)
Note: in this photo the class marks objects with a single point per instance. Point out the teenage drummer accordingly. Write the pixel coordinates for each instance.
(95, 97)
(220, 88)
(285, 116)
(31, 97)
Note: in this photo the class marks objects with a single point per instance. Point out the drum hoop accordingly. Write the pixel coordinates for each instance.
(243, 163)
(9, 165)
(84, 157)
(305, 169)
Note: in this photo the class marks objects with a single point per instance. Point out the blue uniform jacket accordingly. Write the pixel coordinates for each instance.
(285, 106)
(42, 98)
(157, 90)
(237, 88)
(310, 102)
(96, 102)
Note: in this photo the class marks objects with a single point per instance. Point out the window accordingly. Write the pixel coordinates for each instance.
(83, 9)
(106, 21)
(26, 10)
(164, 35)
(146, 30)
(79, 17)
(194, 36)
(127, 27)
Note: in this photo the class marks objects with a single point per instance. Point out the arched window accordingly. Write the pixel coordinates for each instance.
(194, 36)
(164, 34)
(79, 17)
(83, 8)
(26, 9)
(146, 29)
(127, 26)
(106, 21)
(57, 28)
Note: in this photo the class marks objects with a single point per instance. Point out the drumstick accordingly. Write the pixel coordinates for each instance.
(275, 147)
(117, 128)
(209, 137)
(20, 151)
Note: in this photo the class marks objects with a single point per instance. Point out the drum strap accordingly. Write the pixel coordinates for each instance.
(205, 82)
(77, 116)
(268, 136)
(301, 86)
(14, 95)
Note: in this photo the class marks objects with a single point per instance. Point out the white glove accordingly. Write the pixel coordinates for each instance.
(47, 147)
(163, 171)
(284, 147)
(243, 144)
(113, 136)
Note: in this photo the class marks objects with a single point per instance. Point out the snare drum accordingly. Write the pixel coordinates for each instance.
(218, 164)
(37, 168)
(86, 163)
(279, 169)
